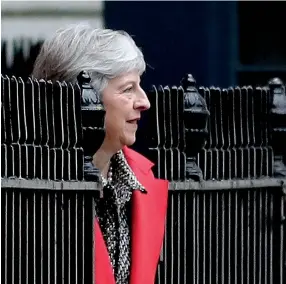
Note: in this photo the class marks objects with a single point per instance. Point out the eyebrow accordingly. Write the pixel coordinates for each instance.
(127, 83)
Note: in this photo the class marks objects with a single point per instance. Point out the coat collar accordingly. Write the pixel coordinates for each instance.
(137, 160)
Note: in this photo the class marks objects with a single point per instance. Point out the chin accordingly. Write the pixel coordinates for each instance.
(129, 141)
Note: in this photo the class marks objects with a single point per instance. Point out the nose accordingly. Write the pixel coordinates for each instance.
(141, 103)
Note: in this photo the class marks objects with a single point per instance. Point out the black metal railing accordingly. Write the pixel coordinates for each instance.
(41, 130)
(230, 235)
(221, 149)
(47, 232)
(237, 142)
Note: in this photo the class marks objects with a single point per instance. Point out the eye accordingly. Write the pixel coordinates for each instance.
(128, 90)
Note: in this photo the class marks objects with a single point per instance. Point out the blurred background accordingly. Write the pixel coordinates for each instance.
(220, 43)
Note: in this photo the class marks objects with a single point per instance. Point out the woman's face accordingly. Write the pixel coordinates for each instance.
(124, 100)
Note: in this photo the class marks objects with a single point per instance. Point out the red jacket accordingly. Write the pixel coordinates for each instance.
(147, 226)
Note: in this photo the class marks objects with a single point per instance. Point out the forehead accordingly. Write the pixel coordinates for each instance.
(126, 78)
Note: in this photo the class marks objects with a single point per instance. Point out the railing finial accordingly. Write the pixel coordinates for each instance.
(278, 125)
(93, 115)
(195, 119)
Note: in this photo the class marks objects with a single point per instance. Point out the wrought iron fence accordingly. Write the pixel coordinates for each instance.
(222, 149)
(41, 130)
(230, 235)
(47, 232)
(241, 142)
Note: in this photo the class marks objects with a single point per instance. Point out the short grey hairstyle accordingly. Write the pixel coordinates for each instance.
(104, 53)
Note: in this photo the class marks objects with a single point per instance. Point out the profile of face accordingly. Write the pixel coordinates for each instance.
(124, 100)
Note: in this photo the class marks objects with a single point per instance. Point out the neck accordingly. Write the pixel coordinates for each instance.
(101, 159)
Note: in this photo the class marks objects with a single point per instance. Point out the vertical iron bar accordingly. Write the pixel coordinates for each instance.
(229, 237)
(197, 195)
(242, 240)
(217, 239)
(69, 242)
(42, 245)
(194, 236)
(13, 237)
(221, 162)
(3, 121)
(17, 140)
(61, 144)
(260, 238)
(27, 240)
(185, 237)
(247, 141)
(271, 241)
(12, 139)
(172, 238)
(76, 238)
(254, 235)
(49, 237)
(281, 261)
(235, 237)
(204, 238)
(252, 130)
(83, 245)
(209, 145)
(25, 127)
(179, 233)
(266, 255)
(223, 236)
(34, 235)
(6, 237)
(260, 127)
(63, 235)
(20, 237)
(210, 240)
(38, 131)
(248, 236)
(47, 138)
(55, 238)
(34, 130)
(234, 138)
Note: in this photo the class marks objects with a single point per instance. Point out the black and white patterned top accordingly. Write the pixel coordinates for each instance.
(113, 212)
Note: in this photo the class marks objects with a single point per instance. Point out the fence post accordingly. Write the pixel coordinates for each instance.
(93, 113)
(277, 119)
(195, 117)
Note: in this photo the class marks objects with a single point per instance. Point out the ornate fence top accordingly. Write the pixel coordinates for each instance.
(204, 133)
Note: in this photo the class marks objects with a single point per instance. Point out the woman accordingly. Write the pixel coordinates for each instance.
(130, 225)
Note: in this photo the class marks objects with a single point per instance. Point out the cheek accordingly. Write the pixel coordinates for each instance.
(114, 119)
(117, 110)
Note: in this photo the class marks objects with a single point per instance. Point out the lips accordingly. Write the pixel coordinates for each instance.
(133, 121)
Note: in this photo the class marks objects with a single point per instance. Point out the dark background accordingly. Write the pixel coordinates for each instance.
(221, 43)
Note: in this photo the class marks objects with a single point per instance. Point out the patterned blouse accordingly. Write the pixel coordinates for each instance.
(113, 212)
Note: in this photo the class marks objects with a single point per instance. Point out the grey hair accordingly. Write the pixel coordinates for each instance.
(104, 53)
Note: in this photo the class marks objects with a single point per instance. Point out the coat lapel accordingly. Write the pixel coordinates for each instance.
(148, 220)
(147, 229)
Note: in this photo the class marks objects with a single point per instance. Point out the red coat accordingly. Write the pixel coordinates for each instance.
(147, 226)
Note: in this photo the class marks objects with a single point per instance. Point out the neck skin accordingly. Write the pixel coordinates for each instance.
(101, 159)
